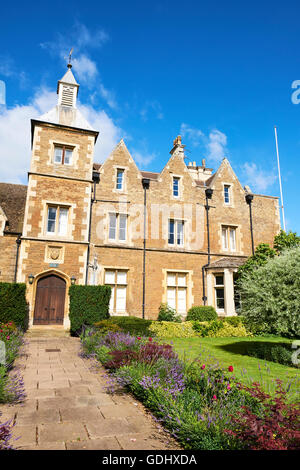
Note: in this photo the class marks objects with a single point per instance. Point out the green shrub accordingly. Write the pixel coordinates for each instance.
(218, 329)
(234, 321)
(88, 305)
(279, 353)
(207, 328)
(104, 326)
(133, 325)
(228, 330)
(270, 294)
(172, 329)
(202, 313)
(167, 313)
(13, 305)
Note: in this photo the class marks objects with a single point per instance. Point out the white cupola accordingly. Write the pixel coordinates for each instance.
(67, 89)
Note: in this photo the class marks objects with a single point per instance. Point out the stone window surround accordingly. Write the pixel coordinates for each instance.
(71, 215)
(229, 307)
(124, 189)
(189, 286)
(231, 198)
(237, 238)
(117, 240)
(3, 220)
(180, 186)
(102, 281)
(63, 143)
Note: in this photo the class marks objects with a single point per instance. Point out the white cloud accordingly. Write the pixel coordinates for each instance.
(195, 136)
(15, 151)
(86, 69)
(109, 133)
(256, 178)
(214, 145)
(143, 159)
(151, 107)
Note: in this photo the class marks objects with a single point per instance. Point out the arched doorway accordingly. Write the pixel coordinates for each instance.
(50, 301)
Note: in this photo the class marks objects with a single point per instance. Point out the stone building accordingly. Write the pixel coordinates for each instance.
(177, 236)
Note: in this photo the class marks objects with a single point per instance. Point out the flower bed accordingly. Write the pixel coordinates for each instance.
(201, 404)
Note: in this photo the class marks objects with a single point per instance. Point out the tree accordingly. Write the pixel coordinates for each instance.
(270, 294)
(261, 256)
(284, 240)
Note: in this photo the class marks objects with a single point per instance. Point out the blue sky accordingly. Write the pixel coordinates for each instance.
(219, 74)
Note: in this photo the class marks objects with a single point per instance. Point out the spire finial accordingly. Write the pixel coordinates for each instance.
(70, 59)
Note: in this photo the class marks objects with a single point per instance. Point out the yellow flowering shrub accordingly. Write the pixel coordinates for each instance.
(230, 330)
(167, 329)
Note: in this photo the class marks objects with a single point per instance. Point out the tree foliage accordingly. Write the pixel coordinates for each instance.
(270, 294)
(284, 240)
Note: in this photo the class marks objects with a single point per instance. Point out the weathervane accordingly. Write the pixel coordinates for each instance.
(70, 58)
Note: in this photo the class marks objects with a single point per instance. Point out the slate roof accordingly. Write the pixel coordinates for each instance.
(12, 202)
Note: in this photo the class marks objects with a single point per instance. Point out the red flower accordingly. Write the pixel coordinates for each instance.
(203, 367)
(214, 397)
(138, 337)
(230, 368)
(150, 339)
(7, 337)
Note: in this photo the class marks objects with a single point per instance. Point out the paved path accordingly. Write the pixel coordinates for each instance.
(67, 407)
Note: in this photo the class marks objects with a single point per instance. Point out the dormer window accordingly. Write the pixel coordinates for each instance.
(63, 155)
(176, 186)
(120, 179)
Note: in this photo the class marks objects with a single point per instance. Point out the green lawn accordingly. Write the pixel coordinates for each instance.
(229, 352)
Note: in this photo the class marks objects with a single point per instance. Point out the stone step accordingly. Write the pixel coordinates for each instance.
(47, 332)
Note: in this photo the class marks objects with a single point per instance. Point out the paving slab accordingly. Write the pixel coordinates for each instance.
(67, 406)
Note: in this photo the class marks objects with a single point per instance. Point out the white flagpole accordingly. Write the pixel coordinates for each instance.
(279, 177)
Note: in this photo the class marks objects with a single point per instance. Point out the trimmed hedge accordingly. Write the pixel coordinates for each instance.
(167, 329)
(134, 325)
(88, 305)
(13, 305)
(202, 313)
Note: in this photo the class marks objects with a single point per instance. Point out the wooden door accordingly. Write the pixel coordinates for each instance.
(50, 301)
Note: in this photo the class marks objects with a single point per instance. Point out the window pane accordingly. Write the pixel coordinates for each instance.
(171, 297)
(63, 221)
(171, 232)
(122, 227)
(219, 280)
(112, 226)
(224, 238)
(171, 279)
(112, 299)
(51, 219)
(180, 233)
(109, 277)
(121, 299)
(175, 186)
(181, 300)
(181, 280)
(121, 277)
(58, 151)
(68, 156)
(120, 174)
(226, 194)
(220, 297)
(232, 239)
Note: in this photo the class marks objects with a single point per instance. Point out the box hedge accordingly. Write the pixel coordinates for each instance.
(88, 305)
(202, 313)
(13, 305)
(134, 325)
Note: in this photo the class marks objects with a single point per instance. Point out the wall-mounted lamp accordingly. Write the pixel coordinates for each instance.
(249, 198)
(73, 280)
(30, 278)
